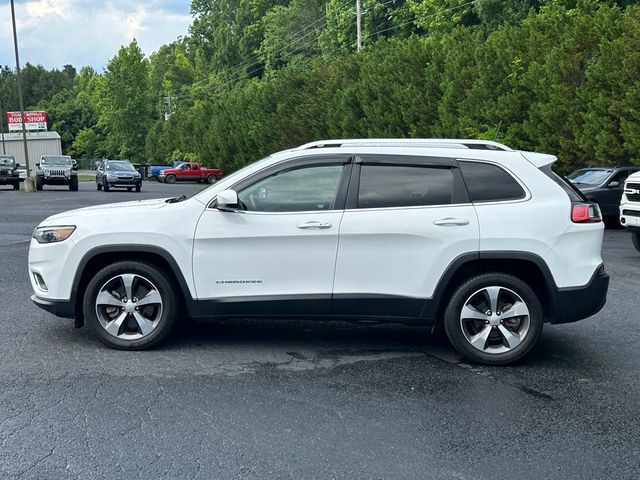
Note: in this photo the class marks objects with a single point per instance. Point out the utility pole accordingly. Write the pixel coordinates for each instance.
(169, 107)
(4, 150)
(358, 26)
(19, 85)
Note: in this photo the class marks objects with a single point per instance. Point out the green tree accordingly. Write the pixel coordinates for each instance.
(124, 103)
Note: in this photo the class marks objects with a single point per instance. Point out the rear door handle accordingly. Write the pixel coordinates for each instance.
(451, 222)
(314, 224)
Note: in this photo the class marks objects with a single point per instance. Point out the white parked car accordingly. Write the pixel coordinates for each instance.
(630, 208)
(473, 234)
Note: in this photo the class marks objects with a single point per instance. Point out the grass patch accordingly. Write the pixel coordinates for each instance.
(86, 178)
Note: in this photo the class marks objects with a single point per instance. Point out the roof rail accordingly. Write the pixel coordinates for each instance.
(408, 142)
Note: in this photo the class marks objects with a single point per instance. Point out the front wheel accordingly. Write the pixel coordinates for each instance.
(493, 319)
(39, 183)
(131, 305)
(16, 186)
(106, 187)
(138, 188)
(635, 238)
(98, 186)
(73, 184)
(170, 179)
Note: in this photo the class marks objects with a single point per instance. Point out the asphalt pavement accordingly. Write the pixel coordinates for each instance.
(275, 399)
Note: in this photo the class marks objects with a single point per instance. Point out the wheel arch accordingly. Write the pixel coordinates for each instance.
(528, 267)
(98, 257)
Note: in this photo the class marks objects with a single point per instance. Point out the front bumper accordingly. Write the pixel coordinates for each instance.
(125, 183)
(630, 216)
(573, 304)
(10, 180)
(60, 308)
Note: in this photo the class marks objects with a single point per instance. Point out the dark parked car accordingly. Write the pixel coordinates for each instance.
(603, 185)
(9, 174)
(118, 174)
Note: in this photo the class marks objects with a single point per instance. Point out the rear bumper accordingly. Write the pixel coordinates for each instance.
(573, 304)
(60, 308)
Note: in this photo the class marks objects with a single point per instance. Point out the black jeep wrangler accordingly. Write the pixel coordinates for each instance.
(57, 170)
(8, 172)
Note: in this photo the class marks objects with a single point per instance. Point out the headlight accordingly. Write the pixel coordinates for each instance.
(53, 234)
(111, 177)
(46, 172)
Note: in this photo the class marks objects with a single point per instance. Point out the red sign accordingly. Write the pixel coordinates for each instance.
(32, 120)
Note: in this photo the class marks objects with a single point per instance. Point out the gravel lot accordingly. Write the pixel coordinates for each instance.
(297, 399)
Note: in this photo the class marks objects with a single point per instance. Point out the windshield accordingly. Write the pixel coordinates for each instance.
(120, 166)
(57, 161)
(7, 162)
(590, 176)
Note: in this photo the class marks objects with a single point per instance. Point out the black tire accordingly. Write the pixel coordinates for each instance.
(170, 179)
(159, 278)
(16, 186)
(211, 179)
(73, 184)
(129, 189)
(98, 186)
(106, 187)
(138, 188)
(39, 183)
(453, 323)
(635, 239)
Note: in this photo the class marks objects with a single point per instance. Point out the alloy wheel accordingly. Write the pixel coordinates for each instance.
(129, 306)
(495, 320)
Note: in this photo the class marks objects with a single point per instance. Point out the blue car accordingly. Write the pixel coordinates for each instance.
(118, 174)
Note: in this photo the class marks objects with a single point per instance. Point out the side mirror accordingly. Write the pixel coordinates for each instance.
(18, 165)
(227, 199)
(613, 184)
(37, 165)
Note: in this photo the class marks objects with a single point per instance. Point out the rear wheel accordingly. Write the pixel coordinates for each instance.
(131, 305)
(493, 319)
(211, 179)
(170, 179)
(635, 238)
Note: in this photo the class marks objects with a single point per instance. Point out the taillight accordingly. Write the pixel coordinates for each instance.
(585, 213)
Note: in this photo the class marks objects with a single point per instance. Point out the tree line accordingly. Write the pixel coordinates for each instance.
(256, 76)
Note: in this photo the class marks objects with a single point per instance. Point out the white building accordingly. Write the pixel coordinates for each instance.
(38, 144)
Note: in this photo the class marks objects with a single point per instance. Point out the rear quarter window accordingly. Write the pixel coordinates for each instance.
(487, 182)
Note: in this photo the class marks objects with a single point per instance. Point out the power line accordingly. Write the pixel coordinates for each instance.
(335, 50)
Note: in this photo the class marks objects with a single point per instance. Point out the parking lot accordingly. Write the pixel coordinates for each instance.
(300, 399)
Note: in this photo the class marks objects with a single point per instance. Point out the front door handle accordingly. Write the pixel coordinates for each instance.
(451, 222)
(314, 224)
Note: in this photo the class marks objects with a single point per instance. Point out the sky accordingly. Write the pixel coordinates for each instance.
(85, 32)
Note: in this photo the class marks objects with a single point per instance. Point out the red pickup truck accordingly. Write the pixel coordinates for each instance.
(190, 172)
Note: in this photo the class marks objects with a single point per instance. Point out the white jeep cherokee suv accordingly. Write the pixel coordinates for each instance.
(630, 208)
(473, 234)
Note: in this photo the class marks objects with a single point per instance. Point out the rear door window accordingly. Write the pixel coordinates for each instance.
(384, 186)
